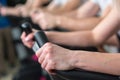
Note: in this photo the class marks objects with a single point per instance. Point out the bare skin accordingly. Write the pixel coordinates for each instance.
(53, 57)
(22, 10)
(85, 60)
(84, 18)
(25, 10)
(79, 37)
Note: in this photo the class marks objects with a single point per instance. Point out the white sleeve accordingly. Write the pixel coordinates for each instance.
(64, 2)
(60, 2)
(95, 1)
(56, 1)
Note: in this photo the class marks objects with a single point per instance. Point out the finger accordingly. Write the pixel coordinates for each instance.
(40, 51)
(29, 37)
(42, 56)
(29, 44)
(44, 63)
(23, 36)
(50, 68)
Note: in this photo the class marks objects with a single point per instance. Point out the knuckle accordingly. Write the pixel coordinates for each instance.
(39, 60)
(42, 66)
(37, 54)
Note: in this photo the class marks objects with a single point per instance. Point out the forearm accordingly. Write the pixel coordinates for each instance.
(77, 24)
(88, 9)
(97, 62)
(10, 11)
(95, 37)
(80, 39)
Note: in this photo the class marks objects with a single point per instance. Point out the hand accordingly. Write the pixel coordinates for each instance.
(27, 40)
(53, 57)
(24, 11)
(3, 11)
(43, 19)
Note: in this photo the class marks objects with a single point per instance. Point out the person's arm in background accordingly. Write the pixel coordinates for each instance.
(30, 6)
(84, 20)
(96, 37)
(50, 21)
(87, 9)
(21, 10)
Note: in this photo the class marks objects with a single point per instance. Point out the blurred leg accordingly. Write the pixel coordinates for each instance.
(9, 45)
(2, 60)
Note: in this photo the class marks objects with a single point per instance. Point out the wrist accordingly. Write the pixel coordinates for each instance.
(70, 58)
(50, 36)
(73, 59)
(78, 59)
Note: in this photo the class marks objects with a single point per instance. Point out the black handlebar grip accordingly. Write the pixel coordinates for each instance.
(40, 38)
(27, 27)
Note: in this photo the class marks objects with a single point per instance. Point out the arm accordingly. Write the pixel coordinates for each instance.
(81, 24)
(88, 9)
(91, 61)
(53, 57)
(5, 11)
(97, 62)
(95, 37)
(74, 24)
(48, 21)
(68, 21)
(22, 9)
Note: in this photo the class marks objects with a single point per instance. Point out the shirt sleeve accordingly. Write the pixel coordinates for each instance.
(60, 2)
(95, 1)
